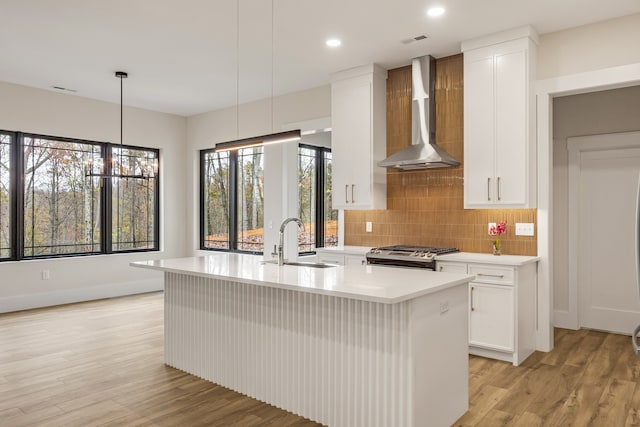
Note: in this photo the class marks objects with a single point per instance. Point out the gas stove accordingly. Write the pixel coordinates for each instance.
(407, 256)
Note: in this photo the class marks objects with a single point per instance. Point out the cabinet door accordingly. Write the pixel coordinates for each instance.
(491, 316)
(511, 127)
(479, 121)
(351, 143)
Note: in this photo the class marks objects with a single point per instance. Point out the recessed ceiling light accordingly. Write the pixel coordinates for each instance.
(333, 42)
(435, 11)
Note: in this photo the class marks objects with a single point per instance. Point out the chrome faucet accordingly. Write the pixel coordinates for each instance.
(282, 227)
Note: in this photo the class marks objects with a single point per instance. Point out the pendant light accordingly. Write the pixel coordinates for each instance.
(262, 140)
(118, 169)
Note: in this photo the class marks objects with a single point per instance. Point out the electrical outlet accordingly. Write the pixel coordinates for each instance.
(490, 226)
(524, 229)
(444, 307)
(368, 226)
(45, 275)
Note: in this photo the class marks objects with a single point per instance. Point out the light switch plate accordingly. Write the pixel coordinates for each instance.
(368, 226)
(524, 229)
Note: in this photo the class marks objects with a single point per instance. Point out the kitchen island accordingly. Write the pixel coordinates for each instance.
(345, 345)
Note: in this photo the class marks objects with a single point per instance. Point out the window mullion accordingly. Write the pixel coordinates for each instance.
(17, 193)
(233, 201)
(319, 197)
(106, 211)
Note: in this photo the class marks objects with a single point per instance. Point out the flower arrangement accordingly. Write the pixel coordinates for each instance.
(497, 230)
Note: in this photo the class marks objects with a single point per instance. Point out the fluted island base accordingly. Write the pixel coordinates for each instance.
(335, 360)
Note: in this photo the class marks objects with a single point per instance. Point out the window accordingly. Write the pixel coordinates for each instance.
(6, 197)
(60, 211)
(250, 200)
(314, 199)
(134, 222)
(232, 200)
(61, 206)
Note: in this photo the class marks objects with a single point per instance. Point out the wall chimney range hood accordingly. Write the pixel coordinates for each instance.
(423, 153)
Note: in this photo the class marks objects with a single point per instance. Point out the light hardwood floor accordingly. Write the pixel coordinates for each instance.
(100, 364)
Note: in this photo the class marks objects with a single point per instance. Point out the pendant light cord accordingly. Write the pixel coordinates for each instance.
(237, 69)
(121, 124)
(272, 67)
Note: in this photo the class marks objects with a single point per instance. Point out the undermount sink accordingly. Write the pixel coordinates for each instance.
(310, 264)
(301, 264)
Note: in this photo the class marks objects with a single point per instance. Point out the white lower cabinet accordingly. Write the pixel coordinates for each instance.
(502, 308)
(491, 316)
(350, 255)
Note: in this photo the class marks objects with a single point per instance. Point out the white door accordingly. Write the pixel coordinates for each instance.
(608, 295)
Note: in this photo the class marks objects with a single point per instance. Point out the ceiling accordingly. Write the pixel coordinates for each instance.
(184, 56)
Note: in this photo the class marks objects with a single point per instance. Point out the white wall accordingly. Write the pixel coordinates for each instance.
(79, 278)
(590, 47)
(616, 110)
(205, 130)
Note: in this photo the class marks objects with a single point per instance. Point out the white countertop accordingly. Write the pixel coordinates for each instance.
(509, 260)
(363, 282)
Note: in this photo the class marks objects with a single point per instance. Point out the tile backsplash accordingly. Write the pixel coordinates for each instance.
(425, 207)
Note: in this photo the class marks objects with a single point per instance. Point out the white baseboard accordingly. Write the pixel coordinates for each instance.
(67, 296)
(562, 319)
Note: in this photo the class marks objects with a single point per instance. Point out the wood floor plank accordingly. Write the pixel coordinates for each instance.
(101, 364)
(615, 402)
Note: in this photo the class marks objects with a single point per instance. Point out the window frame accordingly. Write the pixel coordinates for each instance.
(17, 194)
(320, 180)
(232, 189)
(13, 179)
(156, 194)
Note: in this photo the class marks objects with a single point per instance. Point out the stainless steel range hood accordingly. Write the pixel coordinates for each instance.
(423, 153)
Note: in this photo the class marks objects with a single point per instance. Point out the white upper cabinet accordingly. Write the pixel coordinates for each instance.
(499, 120)
(358, 138)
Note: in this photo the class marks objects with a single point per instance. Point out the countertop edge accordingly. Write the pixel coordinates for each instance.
(471, 257)
(461, 280)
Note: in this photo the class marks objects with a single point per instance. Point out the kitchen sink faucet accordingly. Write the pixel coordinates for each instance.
(282, 227)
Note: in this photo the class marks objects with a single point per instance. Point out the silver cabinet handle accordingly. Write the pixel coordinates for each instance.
(346, 193)
(472, 307)
(500, 276)
(488, 189)
(353, 186)
(499, 197)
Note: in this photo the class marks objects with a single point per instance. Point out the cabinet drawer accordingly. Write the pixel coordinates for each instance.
(451, 267)
(491, 274)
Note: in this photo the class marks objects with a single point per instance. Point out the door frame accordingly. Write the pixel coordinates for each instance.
(546, 90)
(577, 146)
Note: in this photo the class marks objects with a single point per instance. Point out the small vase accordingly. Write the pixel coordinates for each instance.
(496, 247)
